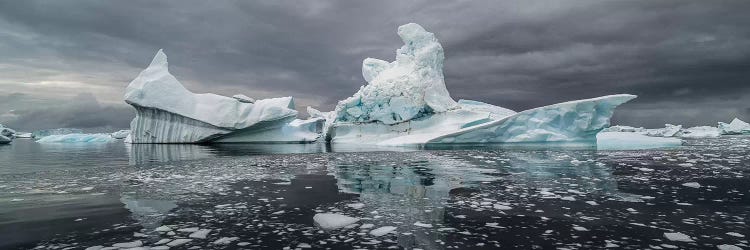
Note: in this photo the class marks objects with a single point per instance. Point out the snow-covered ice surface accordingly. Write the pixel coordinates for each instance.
(472, 197)
(735, 127)
(166, 112)
(76, 138)
(631, 141)
(406, 102)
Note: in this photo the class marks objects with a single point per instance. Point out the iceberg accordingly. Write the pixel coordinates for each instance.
(166, 112)
(632, 141)
(24, 135)
(669, 130)
(700, 132)
(56, 131)
(77, 138)
(406, 102)
(121, 134)
(6, 135)
(736, 127)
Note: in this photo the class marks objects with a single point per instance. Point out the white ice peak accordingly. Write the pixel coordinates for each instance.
(408, 87)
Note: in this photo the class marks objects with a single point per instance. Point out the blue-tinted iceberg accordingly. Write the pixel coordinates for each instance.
(700, 132)
(6, 135)
(736, 127)
(166, 112)
(406, 102)
(121, 134)
(55, 131)
(76, 138)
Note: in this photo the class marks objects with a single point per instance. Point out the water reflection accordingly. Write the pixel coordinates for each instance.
(148, 212)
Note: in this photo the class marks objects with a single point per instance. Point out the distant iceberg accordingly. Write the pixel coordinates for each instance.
(166, 112)
(736, 127)
(121, 134)
(406, 102)
(55, 131)
(700, 132)
(77, 138)
(6, 135)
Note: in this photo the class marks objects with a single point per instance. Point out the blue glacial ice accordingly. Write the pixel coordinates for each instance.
(166, 112)
(406, 102)
(77, 138)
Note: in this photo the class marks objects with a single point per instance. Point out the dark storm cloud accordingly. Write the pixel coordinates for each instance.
(687, 60)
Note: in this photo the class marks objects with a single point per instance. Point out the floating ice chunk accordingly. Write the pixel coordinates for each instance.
(382, 231)
(736, 234)
(57, 131)
(94, 248)
(200, 234)
(122, 134)
(132, 244)
(188, 230)
(501, 207)
(333, 221)
(76, 138)
(631, 141)
(678, 237)
(669, 130)
(420, 224)
(356, 205)
(178, 242)
(736, 127)
(162, 241)
(225, 240)
(728, 247)
(692, 184)
(580, 228)
(700, 132)
(163, 229)
(6, 134)
(166, 112)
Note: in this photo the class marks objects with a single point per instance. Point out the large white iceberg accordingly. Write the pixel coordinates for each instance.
(736, 127)
(77, 138)
(406, 102)
(166, 112)
(6, 135)
(700, 132)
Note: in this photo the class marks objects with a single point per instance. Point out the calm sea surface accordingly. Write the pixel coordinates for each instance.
(76, 196)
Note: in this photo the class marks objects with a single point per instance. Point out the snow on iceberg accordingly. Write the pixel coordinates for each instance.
(700, 132)
(632, 141)
(406, 102)
(166, 112)
(736, 127)
(76, 138)
(121, 134)
(6, 135)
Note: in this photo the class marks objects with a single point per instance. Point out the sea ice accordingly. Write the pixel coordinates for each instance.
(406, 102)
(56, 131)
(728, 247)
(736, 127)
(678, 237)
(166, 112)
(76, 138)
(382, 230)
(333, 221)
(632, 141)
(178, 242)
(200, 234)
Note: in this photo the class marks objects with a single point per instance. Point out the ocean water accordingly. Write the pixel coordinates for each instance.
(75, 196)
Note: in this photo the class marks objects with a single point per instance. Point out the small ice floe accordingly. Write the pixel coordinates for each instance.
(593, 203)
(420, 224)
(16, 199)
(188, 230)
(580, 228)
(728, 247)
(568, 198)
(382, 231)
(94, 248)
(304, 245)
(131, 244)
(162, 241)
(178, 242)
(333, 221)
(163, 229)
(367, 225)
(87, 189)
(356, 205)
(200, 234)
(501, 207)
(736, 234)
(692, 184)
(678, 237)
(225, 240)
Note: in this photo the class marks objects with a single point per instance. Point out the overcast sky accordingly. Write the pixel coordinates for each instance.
(66, 63)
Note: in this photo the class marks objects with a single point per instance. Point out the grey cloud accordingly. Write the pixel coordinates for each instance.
(694, 55)
(82, 111)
